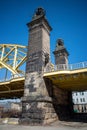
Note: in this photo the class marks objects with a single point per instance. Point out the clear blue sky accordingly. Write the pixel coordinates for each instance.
(68, 19)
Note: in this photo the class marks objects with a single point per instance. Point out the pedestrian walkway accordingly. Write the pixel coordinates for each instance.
(70, 124)
(21, 127)
(54, 126)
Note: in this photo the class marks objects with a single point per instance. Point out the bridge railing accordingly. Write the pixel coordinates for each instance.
(78, 65)
(75, 66)
(52, 68)
(12, 77)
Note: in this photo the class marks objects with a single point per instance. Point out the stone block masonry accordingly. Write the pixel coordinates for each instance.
(42, 103)
(37, 105)
(38, 113)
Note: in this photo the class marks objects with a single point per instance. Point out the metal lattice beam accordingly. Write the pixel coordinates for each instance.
(12, 56)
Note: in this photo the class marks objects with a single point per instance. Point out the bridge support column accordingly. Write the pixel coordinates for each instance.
(37, 107)
(37, 104)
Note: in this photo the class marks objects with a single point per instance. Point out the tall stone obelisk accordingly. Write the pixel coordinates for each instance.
(37, 105)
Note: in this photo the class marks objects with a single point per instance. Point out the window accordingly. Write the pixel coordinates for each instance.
(81, 93)
(77, 100)
(83, 99)
(76, 94)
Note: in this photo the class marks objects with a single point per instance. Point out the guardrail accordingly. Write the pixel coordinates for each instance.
(12, 77)
(52, 68)
(60, 67)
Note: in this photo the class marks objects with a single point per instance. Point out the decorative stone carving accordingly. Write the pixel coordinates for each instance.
(39, 12)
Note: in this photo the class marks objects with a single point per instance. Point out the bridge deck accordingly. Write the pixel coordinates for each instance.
(13, 88)
(73, 80)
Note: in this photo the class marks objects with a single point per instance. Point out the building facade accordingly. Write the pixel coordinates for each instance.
(80, 101)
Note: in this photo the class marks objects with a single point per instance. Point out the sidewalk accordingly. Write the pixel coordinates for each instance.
(55, 126)
(70, 124)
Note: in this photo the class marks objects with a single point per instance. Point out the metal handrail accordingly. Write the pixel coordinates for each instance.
(75, 66)
(12, 77)
(53, 68)
(78, 65)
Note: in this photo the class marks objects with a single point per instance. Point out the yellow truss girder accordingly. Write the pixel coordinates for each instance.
(12, 56)
(8, 67)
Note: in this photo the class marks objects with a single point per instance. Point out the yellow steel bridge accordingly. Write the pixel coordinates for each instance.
(12, 58)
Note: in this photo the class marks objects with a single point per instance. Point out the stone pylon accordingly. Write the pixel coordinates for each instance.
(61, 53)
(37, 104)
